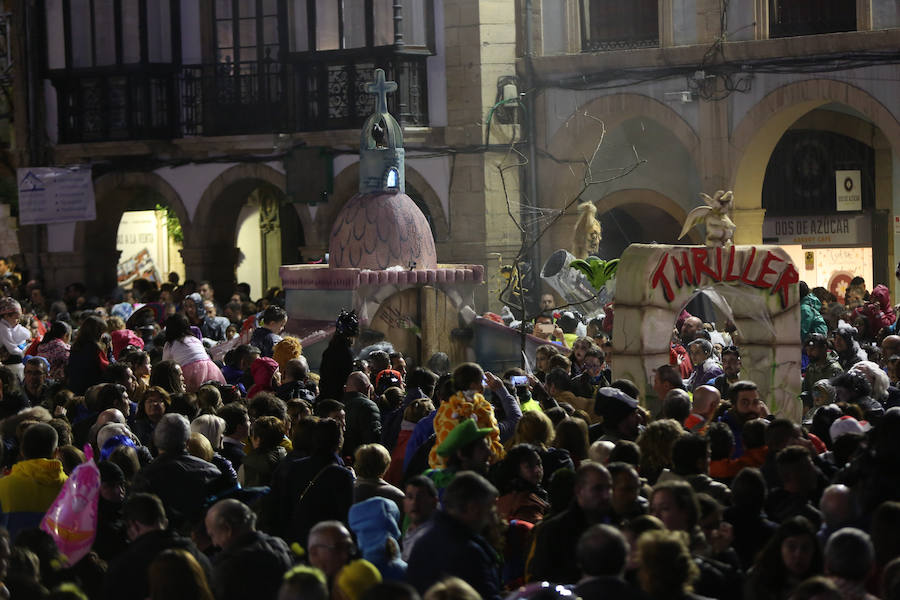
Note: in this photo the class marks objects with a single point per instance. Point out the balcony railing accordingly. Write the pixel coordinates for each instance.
(808, 17)
(165, 102)
(618, 25)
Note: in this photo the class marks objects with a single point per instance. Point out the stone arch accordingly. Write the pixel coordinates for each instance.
(346, 185)
(95, 240)
(634, 203)
(580, 137)
(760, 286)
(761, 128)
(213, 256)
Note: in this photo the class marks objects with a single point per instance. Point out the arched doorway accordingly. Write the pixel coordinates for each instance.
(636, 223)
(149, 240)
(249, 230)
(824, 193)
(116, 194)
(762, 127)
(268, 234)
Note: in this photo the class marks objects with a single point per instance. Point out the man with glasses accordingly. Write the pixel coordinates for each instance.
(34, 383)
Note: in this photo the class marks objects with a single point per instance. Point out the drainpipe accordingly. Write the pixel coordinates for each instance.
(532, 228)
(34, 157)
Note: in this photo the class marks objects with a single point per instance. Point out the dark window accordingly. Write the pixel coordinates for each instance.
(616, 24)
(246, 31)
(800, 176)
(84, 34)
(809, 17)
(347, 24)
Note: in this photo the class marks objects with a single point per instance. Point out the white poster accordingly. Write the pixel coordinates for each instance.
(56, 195)
(143, 241)
(849, 192)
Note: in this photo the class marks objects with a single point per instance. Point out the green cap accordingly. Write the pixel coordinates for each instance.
(463, 434)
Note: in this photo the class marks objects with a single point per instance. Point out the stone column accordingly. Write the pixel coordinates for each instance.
(480, 45)
(62, 268)
(215, 264)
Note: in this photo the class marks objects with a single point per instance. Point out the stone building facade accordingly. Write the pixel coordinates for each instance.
(202, 103)
(764, 97)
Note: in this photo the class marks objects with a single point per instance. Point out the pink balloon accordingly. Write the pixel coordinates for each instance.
(72, 518)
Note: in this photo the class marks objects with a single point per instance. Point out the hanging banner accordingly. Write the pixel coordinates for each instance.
(55, 195)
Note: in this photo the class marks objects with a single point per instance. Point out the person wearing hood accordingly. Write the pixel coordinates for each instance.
(847, 348)
(266, 376)
(125, 338)
(33, 484)
(211, 327)
(877, 312)
(375, 524)
(811, 319)
(822, 364)
(853, 387)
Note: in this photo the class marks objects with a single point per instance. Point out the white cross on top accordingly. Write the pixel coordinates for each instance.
(380, 88)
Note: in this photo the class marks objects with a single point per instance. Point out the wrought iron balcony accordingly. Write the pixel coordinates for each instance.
(316, 92)
(809, 17)
(617, 25)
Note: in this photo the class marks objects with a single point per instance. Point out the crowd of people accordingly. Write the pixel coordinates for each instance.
(377, 478)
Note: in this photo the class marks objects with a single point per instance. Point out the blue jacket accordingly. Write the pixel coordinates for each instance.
(448, 548)
(374, 521)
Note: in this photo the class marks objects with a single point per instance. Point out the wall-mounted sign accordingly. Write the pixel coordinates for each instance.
(55, 195)
(819, 231)
(849, 191)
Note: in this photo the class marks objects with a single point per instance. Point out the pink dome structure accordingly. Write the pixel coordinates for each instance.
(380, 230)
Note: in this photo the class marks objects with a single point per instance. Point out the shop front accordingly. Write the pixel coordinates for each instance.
(829, 250)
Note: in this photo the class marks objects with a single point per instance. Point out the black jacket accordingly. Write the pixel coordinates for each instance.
(328, 497)
(363, 422)
(295, 389)
(126, 577)
(336, 366)
(234, 453)
(553, 550)
(603, 588)
(182, 482)
(252, 567)
(448, 548)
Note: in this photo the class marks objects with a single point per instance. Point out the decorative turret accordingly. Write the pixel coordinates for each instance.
(381, 153)
(381, 226)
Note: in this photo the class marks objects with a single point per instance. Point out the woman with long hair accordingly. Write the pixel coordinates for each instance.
(150, 411)
(176, 575)
(54, 346)
(791, 556)
(188, 351)
(572, 435)
(666, 570)
(88, 357)
(167, 374)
